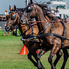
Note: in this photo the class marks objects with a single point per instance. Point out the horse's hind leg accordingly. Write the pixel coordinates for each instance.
(32, 51)
(58, 54)
(50, 61)
(65, 58)
(54, 50)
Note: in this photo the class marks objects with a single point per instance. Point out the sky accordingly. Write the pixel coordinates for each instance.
(4, 4)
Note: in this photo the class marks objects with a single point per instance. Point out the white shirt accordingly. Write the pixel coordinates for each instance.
(56, 14)
(6, 13)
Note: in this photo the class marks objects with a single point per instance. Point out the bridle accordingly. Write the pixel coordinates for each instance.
(14, 20)
(29, 25)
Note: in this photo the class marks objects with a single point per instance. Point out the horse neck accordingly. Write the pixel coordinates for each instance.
(44, 22)
(25, 30)
(21, 28)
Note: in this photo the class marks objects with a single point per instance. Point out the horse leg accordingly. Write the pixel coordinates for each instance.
(65, 58)
(35, 56)
(32, 51)
(40, 66)
(30, 58)
(50, 61)
(54, 50)
(38, 60)
(58, 54)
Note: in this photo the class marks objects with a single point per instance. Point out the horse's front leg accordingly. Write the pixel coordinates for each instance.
(32, 52)
(52, 54)
(40, 66)
(30, 58)
(65, 57)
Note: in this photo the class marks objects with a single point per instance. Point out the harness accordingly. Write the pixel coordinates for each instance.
(42, 35)
(28, 27)
(25, 38)
(14, 19)
(52, 34)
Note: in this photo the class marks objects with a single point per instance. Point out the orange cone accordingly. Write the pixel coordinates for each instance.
(37, 51)
(23, 50)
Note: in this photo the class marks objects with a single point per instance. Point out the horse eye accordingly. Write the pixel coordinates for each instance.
(29, 9)
(13, 17)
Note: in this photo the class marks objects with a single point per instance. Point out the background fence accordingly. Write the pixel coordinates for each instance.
(2, 25)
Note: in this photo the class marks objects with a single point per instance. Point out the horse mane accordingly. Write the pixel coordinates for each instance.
(46, 11)
(44, 8)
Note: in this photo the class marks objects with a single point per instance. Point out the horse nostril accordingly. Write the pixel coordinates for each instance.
(21, 21)
(7, 28)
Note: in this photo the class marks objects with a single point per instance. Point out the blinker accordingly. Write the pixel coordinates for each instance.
(13, 17)
(29, 9)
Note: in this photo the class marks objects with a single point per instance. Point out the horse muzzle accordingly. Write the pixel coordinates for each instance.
(7, 28)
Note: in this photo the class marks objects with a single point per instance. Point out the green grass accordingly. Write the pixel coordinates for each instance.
(10, 47)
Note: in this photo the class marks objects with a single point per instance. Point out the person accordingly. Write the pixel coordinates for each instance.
(56, 14)
(6, 13)
(5, 32)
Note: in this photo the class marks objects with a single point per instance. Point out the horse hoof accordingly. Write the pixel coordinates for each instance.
(53, 68)
(41, 68)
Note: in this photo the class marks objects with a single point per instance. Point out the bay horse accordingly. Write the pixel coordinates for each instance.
(26, 32)
(54, 33)
(45, 48)
(32, 46)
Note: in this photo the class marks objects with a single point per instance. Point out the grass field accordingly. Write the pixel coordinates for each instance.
(10, 47)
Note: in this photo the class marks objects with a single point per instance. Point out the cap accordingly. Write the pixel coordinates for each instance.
(6, 10)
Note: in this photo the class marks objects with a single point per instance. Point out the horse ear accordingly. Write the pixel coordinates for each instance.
(31, 1)
(9, 7)
(14, 8)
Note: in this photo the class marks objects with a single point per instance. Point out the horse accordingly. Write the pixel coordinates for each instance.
(54, 33)
(32, 47)
(26, 32)
(47, 48)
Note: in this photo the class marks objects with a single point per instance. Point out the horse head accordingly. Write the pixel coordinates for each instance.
(13, 18)
(29, 12)
(34, 11)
